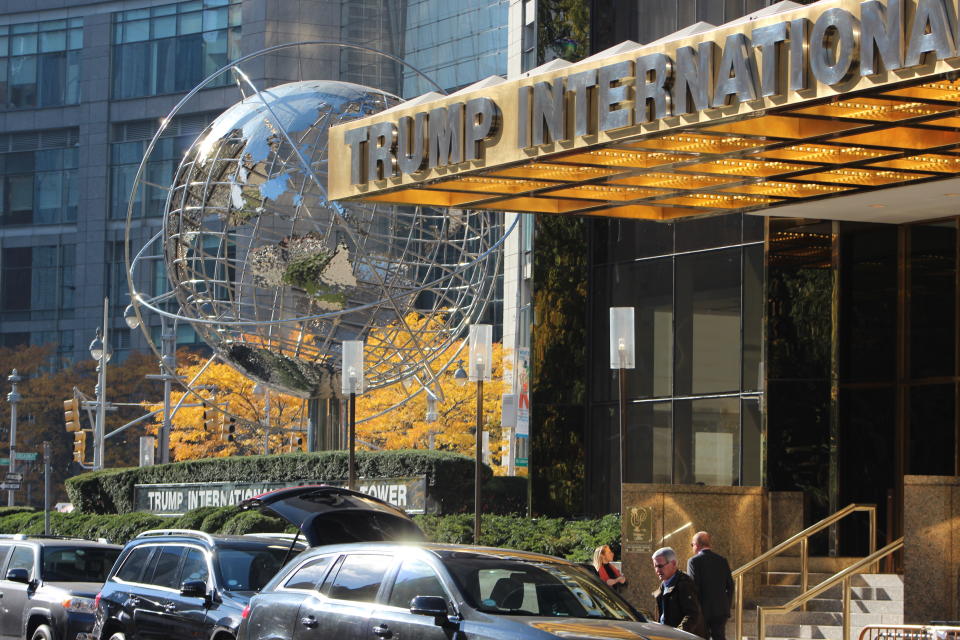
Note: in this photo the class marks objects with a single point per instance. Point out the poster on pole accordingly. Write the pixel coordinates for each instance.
(523, 392)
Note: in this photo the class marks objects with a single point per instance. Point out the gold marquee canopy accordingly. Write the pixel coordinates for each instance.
(789, 104)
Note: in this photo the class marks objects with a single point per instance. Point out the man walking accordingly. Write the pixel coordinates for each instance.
(711, 574)
(677, 603)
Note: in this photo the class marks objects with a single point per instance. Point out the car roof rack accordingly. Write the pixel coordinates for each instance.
(45, 536)
(190, 533)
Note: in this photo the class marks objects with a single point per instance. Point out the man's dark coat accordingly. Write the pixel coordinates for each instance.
(679, 607)
(711, 574)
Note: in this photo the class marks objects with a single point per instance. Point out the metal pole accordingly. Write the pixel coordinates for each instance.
(266, 421)
(351, 460)
(167, 344)
(477, 463)
(621, 383)
(100, 426)
(46, 487)
(13, 398)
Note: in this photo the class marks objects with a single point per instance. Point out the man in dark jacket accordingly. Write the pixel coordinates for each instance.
(711, 574)
(677, 603)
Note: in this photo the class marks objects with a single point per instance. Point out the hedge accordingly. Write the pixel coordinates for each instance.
(574, 540)
(449, 477)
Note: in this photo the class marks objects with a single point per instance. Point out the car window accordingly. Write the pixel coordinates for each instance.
(248, 567)
(165, 566)
(533, 588)
(133, 565)
(21, 558)
(309, 575)
(358, 578)
(415, 578)
(77, 564)
(4, 550)
(194, 566)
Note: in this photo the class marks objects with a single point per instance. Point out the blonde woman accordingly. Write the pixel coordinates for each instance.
(602, 559)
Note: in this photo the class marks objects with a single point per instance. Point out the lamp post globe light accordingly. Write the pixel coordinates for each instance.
(480, 366)
(352, 383)
(622, 358)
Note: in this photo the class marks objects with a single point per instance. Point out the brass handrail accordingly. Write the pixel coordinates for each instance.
(802, 539)
(842, 576)
(909, 632)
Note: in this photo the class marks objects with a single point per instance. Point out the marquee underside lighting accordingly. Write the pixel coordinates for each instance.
(791, 104)
(854, 144)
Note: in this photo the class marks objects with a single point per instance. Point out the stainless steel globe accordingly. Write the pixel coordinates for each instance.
(274, 277)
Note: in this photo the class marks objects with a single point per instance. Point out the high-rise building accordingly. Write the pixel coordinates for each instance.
(84, 85)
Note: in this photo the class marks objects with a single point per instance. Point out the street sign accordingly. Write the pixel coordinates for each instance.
(9, 486)
(13, 477)
(28, 455)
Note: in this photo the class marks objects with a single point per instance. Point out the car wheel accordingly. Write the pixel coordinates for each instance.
(118, 636)
(43, 632)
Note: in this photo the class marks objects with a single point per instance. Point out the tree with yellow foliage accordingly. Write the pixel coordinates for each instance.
(230, 394)
(391, 417)
(406, 426)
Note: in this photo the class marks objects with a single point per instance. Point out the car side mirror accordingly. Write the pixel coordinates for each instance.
(194, 589)
(18, 575)
(434, 606)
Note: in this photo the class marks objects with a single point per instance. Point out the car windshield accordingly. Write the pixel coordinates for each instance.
(78, 564)
(533, 587)
(247, 567)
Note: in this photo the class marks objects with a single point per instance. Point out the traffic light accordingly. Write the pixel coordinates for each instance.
(230, 429)
(71, 414)
(80, 446)
(209, 417)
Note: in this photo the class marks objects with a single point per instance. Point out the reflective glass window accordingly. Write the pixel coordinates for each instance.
(933, 290)
(22, 558)
(309, 575)
(40, 64)
(171, 48)
(707, 346)
(39, 187)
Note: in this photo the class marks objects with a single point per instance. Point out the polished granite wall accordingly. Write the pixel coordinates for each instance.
(931, 548)
(655, 516)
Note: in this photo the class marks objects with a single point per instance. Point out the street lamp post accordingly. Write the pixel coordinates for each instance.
(262, 390)
(622, 358)
(352, 382)
(100, 351)
(168, 363)
(13, 398)
(481, 356)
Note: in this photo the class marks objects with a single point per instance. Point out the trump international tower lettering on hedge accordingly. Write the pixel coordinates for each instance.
(173, 499)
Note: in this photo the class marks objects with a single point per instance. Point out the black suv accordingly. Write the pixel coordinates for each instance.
(185, 584)
(49, 584)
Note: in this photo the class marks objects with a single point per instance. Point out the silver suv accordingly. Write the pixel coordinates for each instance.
(48, 586)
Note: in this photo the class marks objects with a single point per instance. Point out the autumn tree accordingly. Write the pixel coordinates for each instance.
(395, 417)
(226, 394)
(46, 383)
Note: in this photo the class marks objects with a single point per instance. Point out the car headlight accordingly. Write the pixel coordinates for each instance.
(83, 605)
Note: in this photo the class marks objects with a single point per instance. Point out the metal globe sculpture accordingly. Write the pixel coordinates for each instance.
(274, 277)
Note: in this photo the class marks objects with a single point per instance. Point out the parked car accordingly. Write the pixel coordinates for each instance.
(345, 590)
(185, 584)
(49, 584)
(435, 592)
(193, 586)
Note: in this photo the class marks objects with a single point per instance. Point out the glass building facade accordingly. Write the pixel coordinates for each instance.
(40, 63)
(453, 43)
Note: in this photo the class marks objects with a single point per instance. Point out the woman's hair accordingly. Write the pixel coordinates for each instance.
(598, 557)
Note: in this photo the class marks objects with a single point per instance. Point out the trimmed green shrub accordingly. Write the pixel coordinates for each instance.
(111, 490)
(574, 540)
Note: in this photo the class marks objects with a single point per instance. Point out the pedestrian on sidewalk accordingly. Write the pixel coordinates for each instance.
(609, 574)
(711, 573)
(677, 602)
